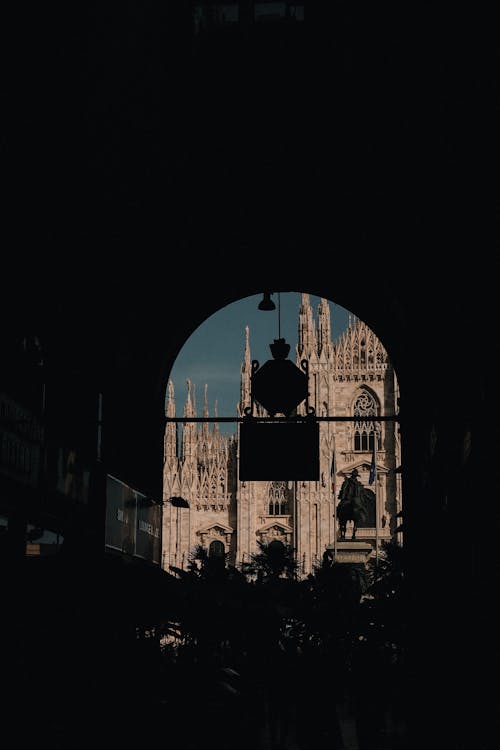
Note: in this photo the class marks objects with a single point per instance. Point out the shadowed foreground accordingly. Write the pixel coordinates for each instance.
(208, 656)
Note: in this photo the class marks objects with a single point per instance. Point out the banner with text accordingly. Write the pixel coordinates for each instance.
(133, 521)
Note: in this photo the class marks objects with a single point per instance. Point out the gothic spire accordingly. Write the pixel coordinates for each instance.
(324, 330)
(307, 337)
(170, 445)
(216, 414)
(205, 401)
(188, 408)
(171, 400)
(189, 428)
(246, 357)
(204, 426)
(246, 371)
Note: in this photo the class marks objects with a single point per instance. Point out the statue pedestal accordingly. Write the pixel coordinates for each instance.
(348, 551)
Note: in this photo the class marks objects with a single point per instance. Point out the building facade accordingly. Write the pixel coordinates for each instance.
(352, 377)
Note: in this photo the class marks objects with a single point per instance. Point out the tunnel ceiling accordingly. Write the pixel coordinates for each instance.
(150, 184)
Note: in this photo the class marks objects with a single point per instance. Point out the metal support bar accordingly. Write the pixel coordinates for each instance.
(390, 418)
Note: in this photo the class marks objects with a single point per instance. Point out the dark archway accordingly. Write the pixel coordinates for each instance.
(161, 220)
(216, 549)
(358, 390)
(370, 503)
(276, 547)
(128, 351)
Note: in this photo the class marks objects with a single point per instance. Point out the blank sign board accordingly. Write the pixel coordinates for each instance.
(279, 451)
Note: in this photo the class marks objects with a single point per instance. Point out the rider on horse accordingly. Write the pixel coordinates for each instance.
(352, 503)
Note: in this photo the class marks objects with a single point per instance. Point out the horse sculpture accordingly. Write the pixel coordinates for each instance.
(352, 505)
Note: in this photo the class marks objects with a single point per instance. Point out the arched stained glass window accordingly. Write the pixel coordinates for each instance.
(365, 405)
(278, 499)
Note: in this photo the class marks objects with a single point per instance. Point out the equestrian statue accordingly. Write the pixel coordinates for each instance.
(353, 505)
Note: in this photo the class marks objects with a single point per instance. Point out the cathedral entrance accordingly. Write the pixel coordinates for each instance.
(216, 549)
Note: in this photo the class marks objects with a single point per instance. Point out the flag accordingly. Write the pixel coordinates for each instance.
(333, 472)
(372, 467)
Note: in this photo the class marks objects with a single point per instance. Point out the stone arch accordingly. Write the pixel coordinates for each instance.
(268, 502)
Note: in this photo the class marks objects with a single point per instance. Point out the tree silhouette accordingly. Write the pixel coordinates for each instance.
(274, 560)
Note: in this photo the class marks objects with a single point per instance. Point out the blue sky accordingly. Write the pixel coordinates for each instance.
(214, 352)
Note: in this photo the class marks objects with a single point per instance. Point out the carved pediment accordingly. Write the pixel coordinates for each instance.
(275, 526)
(362, 465)
(216, 530)
(275, 531)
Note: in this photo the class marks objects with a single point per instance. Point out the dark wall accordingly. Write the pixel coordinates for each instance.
(152, 178)
(151, 181)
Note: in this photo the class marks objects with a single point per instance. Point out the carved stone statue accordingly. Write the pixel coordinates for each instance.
(352, 505)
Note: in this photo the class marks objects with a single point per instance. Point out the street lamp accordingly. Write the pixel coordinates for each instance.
(266, 303)
(178, 502)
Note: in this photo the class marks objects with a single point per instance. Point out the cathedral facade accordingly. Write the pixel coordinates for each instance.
(352, 377)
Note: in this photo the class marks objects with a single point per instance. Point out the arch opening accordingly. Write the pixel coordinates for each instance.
(351, 376)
